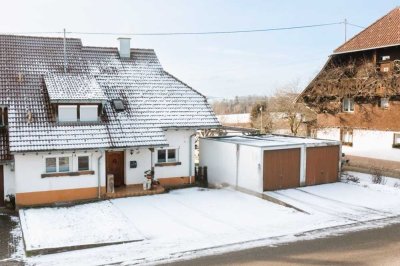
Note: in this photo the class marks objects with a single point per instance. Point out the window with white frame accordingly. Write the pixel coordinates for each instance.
(384, 103)
(348, 105)
(83, 163)
(88, 113)
(58, 164)
(396, 140)
(347, 136)
(167, 155)
(67, 113)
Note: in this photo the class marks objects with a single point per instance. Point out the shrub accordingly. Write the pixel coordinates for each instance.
(350, 178)
(377, 176)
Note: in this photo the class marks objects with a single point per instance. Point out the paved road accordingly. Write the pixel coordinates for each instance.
(371, 247)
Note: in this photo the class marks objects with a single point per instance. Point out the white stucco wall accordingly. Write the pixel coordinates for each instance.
(250, 168)
(366, 143)
(177, 139)
(9, 180)
(30, 167)
(220, 159)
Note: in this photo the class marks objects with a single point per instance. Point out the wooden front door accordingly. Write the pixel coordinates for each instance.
(1, 186)
(281, 169)
(115, 166)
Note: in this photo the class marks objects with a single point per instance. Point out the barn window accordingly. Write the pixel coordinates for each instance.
(167, 156)
(396, 140)
(348, 105)
(88, 113)
(67, 113)
(384, 103)
(347, 136)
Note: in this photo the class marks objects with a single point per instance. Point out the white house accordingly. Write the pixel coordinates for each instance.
(67, 124)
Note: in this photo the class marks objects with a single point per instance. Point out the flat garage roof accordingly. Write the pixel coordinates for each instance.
(274, 140)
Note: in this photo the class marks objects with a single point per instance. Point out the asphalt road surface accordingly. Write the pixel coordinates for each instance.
(379, 246)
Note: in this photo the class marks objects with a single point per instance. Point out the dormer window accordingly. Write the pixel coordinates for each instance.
(67, 113)
(75, 113)
(88, 113)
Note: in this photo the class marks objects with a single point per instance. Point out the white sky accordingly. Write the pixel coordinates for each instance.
(223, 65)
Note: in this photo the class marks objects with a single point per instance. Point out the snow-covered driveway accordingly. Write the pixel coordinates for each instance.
(194, 222)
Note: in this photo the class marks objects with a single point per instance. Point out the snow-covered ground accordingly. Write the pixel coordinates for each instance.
(88, 224)
(195, 222)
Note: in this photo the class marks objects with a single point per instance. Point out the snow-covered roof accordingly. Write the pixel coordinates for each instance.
(264, 141)
(154, 100)
(73, 88)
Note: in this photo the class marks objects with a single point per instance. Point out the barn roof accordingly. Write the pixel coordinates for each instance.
(382, 33)
(31, 77)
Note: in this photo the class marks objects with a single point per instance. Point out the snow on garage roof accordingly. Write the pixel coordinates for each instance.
(263, 141)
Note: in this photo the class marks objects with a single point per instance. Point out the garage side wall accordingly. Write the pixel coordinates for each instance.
(220, 158)
(249, 174)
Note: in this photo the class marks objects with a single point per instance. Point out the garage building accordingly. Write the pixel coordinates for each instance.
(270, 162)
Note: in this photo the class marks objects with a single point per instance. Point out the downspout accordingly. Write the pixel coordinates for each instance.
(98, 174)
(237, 166)
(191, 157)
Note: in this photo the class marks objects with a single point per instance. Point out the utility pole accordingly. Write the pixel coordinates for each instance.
(65, 53)
(345, 29)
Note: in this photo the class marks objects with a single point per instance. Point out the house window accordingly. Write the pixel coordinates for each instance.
(396, 140)
(348, 105)
(51, 165)
(63, 164)
(347, 137)
(384, 103)
(83, 163)
(385, 57)
(167, 156)
(67, 113)
(58, 164)
(88, 113)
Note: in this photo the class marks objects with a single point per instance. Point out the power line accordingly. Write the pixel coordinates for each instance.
(209, 32)
(354, 25)
(190, 33)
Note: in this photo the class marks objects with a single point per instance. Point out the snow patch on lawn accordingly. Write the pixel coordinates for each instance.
(87, 224)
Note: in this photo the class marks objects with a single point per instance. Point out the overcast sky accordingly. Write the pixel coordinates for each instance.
(216, 65)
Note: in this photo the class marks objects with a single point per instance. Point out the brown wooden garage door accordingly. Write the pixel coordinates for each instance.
(281, 169)
(322, 165)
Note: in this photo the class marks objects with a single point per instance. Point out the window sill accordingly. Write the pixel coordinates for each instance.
(61, 174)
(167, 164)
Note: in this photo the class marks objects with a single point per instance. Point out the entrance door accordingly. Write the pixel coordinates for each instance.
(1, 186)
(115, 166)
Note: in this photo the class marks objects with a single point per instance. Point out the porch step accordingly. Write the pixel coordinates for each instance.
(134, 191)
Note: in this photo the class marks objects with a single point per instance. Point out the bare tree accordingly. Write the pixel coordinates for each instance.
(260, 117)
(295, 114)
